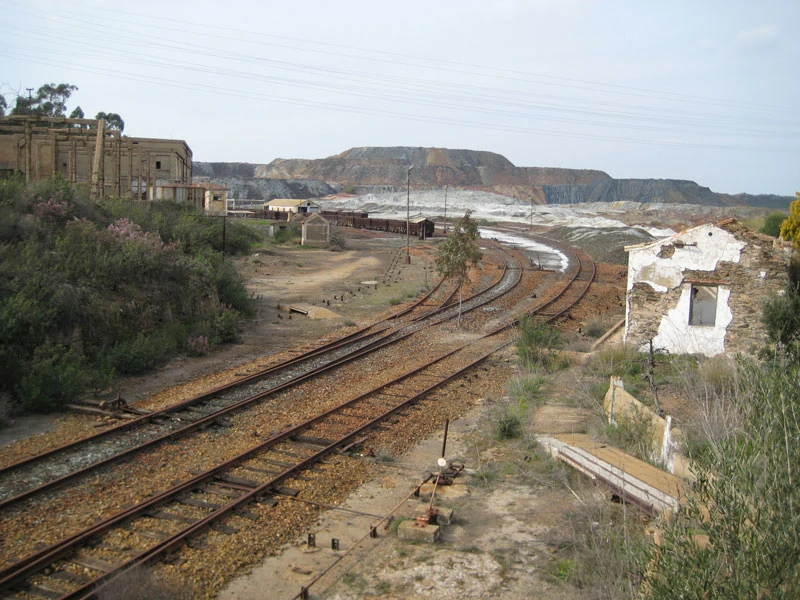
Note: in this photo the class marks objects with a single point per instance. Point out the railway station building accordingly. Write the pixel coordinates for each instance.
(701, 291)
(290, 205)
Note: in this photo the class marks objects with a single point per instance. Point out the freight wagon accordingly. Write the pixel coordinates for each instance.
(419, 227)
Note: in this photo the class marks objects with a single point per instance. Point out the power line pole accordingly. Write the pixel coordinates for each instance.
(445, 211)
(408, 213)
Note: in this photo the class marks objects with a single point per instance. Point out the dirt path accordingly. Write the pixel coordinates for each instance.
(507, 522)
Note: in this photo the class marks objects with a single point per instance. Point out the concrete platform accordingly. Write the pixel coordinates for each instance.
(634, 480)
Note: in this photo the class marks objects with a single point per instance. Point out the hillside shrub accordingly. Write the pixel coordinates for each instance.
(92, 290)
(772, 224)
(781, 314)
(737, 535)
(55, 375)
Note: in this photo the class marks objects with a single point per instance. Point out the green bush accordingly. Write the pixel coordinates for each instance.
(144, 352)
(290, 233)
(772, 224)
(226, 326)
(781, 317)
(55, 376)
(337, 241)
(745, 503)
(508, 424)
(96, 289)
(538, 345)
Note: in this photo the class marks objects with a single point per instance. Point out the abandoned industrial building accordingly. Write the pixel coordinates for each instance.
(144, 168)
(701, 291)
(290, 205)
(315, 230)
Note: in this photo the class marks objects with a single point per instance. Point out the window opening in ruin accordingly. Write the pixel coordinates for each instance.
(158, 164)
(703, 308)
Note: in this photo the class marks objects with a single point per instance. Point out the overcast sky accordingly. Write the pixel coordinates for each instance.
(700, 90)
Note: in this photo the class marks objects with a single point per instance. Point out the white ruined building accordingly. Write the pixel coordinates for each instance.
(701, 291)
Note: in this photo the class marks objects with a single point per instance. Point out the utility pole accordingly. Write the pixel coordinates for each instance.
(445, 211)
(30, 92)
(408, 214)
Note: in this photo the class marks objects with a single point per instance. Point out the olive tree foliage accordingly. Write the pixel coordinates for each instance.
(458, 252)
(790, 229)
(738, 533)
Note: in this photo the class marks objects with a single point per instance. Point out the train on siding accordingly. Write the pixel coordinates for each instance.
(419, 227)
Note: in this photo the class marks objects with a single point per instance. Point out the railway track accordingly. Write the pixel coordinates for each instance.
(76, 566)
(162, 523)
(28, 478)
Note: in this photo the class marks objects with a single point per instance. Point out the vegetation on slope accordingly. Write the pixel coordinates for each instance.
(91, 291)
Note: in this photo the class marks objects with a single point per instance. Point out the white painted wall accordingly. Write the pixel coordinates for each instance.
(676, 335)
(697, 249)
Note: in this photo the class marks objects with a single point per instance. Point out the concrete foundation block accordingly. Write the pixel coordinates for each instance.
(445, 516)
(409, 530)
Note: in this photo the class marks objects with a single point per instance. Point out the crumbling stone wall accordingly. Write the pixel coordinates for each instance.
(745, 283)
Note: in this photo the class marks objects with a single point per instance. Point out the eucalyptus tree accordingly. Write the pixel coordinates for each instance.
(458, 252)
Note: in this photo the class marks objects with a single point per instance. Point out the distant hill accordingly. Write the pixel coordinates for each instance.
(663, 191)
(377, 169)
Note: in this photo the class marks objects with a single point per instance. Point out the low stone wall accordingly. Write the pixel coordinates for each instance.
(665, 439)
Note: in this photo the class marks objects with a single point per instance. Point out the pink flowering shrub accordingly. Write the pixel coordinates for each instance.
(198, 345)
(54, 209)
(128, 231)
